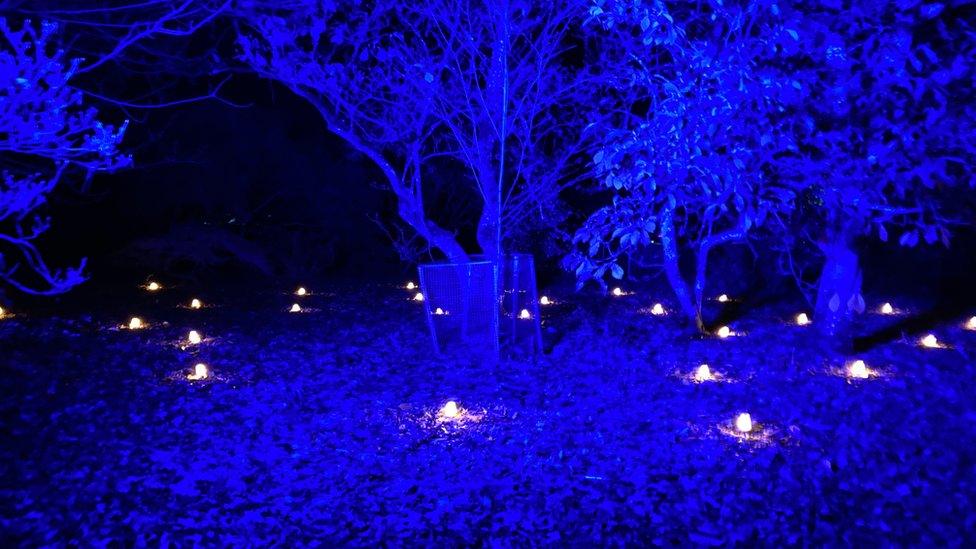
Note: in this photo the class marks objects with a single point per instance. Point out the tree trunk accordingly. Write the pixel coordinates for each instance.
(839, 289)
(672, 268)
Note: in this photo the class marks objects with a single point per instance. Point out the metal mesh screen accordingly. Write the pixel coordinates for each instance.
(519, 328)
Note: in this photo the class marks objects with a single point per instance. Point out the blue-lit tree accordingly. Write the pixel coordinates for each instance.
(696, 129)
(48, 135)
(885, 133)
(484, 87)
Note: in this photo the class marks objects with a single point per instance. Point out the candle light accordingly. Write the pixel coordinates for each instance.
(930, 341)
(723, 298)
(617, 292)
(657, 309)
(887, 309)
(449, 410)
(153, 286)
(743, 423)
(135, 323)
(195, 304)
(411, 285)
(545, 301)
(418, 297)
(295, 308)
(194, 337)
(301, 291)
(858, 370)
(970, 325)
(802, 319)
(724, 332)
(525, 314)
(199, 372)
(703, 373)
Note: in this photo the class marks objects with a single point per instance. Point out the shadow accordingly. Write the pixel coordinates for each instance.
(911, 325)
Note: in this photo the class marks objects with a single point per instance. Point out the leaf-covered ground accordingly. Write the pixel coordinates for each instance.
(320, 427)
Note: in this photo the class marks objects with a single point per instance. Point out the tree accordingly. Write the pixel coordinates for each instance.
(885, 136)
(485, 87)
(48, 135)
(693, 137)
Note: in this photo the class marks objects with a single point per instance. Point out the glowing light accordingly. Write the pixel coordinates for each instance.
(723, 298)
(439, 311)
(301, 291)
(930, 341)
(153, 286)
(195, 304)
(2, 312)
(135, 323)
(199, 372)
(544, 300)
(887, 309)
(295, 308)
(418, 297)
(743, 423)
(802, 319)
(449, 410)
(971, 325)
(617, 292)
(657, 309)
(411, 286)
(723, 332)
(194, 337)
(525, 314)
(858, 370)
(703, 373)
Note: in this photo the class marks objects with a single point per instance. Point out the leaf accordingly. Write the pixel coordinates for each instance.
(834, 303)
(616, 271)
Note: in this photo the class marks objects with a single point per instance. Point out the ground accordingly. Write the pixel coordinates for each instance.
(322, 427)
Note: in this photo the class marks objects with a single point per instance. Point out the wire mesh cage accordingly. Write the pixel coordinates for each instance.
(476, 306)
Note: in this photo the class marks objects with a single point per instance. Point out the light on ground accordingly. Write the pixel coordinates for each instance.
(301, 291)
(153, 286)
(525, 314)
(657, 309)
(802, 319)
(449, 410)
(199, 372)
(972, 323)
(544, 300)
(723, 332)
(703, 373)
(617, 292)
(135, 323)
(858, 370)
(194, 337)
(930, 341)
(887, 309)
(418, 297)
(411, 286)
(195, 304)
(743, 423)
(723, 298)
(295, 308)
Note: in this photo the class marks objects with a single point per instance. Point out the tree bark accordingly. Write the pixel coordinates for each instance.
(839, 288)
(672, 268)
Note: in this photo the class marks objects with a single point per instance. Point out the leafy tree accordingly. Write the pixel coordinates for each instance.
(694, 134)
(48, 135)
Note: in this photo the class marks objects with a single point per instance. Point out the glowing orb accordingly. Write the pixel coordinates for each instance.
(617, 292)
(135, 323)
(970, 325)
(199, 372)
(525, 314)
(723, 332)
(544, 300)
(723, 298)
(657, 309)
(449, 410)
(802, 319)
(194, 337)
(887, 309)
(703, 373)
(295, 308)
(930, 341)
(153, 286)
(411, 285)
(439, 311)
(418, 297)
(743, 423)
(195, 304)
(858, 370)
(301, 291)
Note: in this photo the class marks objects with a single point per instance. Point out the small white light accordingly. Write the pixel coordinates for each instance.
(723, 298)
(449, 410)
(2, 312)
(743, 423)
(970, 325)
(135, 323)
(617, 292)
(657, 309)
(295, 308)
(544, 300)
(301, 291)
(199, 372)
(930, 341)
(411, 286)
(802, 319)
(153, 286)
(525, 314)
(703, 373)
(438, 311)
(418, 297)
(858, 370)
(195, 304)
(723, 332)
(887, 309)
(194, 337)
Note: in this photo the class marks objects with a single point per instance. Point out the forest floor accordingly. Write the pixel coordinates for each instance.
(322, 427)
